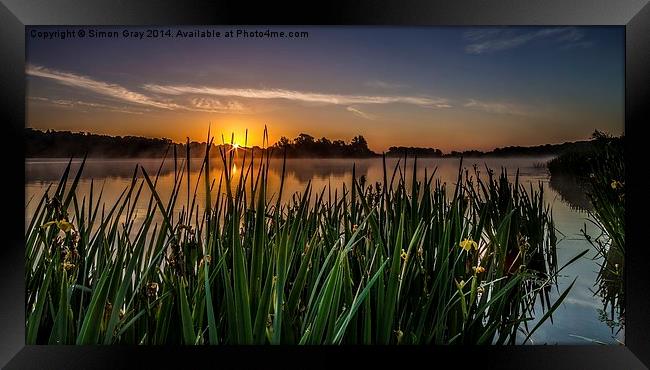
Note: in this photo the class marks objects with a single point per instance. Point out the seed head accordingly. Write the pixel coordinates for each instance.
(152, 290)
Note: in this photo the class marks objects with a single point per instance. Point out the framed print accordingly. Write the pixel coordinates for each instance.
(206, 182)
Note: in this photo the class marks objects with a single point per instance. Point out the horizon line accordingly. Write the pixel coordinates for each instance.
(241, 146)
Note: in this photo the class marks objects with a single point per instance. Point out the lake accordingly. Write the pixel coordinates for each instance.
(577, 321)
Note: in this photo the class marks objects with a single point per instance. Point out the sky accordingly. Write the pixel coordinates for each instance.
(452, 88)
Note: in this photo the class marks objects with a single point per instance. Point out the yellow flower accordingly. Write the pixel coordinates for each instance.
(68, 266)
(478, 269)
(616, 184)
(403, 254)
(64, 225)
(468, 244)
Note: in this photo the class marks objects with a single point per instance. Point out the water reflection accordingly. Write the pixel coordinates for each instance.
(571, 191)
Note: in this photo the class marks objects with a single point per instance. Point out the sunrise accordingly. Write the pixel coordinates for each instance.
(324, 185)
(451, 88)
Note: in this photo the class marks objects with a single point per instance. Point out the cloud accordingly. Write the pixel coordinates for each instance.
(217, 106)
(293, 95)
(571, 35)
(578, 45)
(476, 34)
(496, 107)
(487, 40)
(217, 99)
(121, 93)
(359, 113)
(79, 103)
(384, 85)
(98, 87)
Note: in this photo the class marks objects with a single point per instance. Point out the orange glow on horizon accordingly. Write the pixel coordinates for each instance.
(248, 132)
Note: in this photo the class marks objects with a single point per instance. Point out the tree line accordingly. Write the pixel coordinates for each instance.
(65, 144)
(307, 146)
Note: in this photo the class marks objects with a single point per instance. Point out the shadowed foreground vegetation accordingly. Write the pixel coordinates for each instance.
(396, 262)
(600, 171)
(607, 196)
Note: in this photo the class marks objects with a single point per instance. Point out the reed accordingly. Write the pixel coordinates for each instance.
(393, 262)
(606, 194)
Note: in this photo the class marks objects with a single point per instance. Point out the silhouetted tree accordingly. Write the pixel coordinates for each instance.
(284, 142)
(51, 143)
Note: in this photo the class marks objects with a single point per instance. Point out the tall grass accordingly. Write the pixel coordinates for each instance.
(600, 172)
(395, 262)
(607, 196)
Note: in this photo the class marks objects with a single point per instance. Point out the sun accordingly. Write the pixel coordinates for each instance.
(235, 146)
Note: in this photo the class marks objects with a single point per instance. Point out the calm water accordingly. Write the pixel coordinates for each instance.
(575, 322)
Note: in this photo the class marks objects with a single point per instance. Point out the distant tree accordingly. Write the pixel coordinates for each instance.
(359, 142)
(305, 145)
(359, 146)
(401, 151)
(283, 142)
(599, 135)
(303, 140)
(51, 143)
(324, 141)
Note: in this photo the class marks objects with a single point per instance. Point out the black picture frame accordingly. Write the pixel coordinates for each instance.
(16, 14)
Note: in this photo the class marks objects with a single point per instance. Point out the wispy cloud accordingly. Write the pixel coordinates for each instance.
(384, 85)
(487, 40)
(129, 96)
(98, 87)
(65, 103)
(477, 34)
(216, 105)
(578, 45)
(202, 98)
(360, 113)
(293, 95)
(497, 107)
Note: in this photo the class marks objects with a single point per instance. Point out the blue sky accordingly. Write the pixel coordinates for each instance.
(446, 87)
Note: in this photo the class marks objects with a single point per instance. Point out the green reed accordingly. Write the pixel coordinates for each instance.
(395, 262)
(607, 196)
